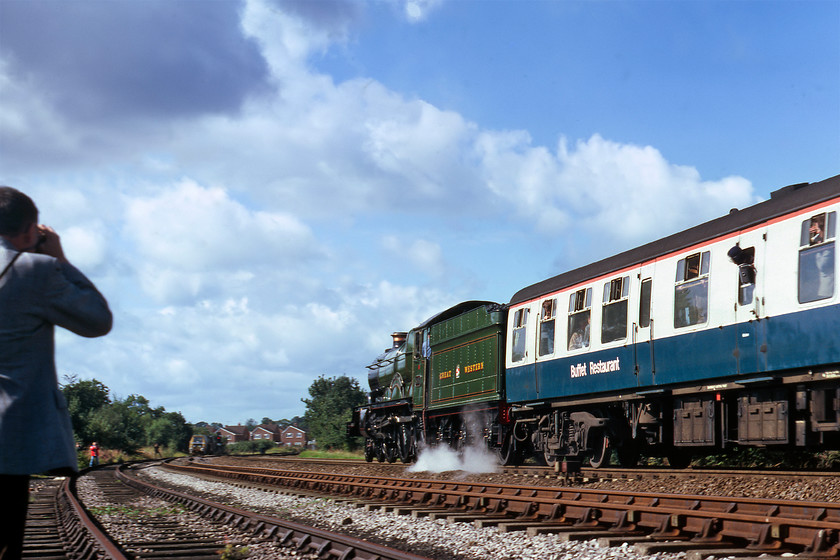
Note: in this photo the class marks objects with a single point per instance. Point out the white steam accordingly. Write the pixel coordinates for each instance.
(441, 458)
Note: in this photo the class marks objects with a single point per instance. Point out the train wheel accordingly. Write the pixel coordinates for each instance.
(508, 454)
(548, 458)
(600, 449)
(368, 453)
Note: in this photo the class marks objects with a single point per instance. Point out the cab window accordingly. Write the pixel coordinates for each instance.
(580, 303)
(816, 257)
(520, 322)
(691, 291)
(547, 327)
(614, 309)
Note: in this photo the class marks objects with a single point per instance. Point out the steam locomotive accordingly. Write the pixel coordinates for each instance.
(726, 334)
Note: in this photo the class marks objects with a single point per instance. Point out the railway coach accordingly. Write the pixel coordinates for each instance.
(726, 334)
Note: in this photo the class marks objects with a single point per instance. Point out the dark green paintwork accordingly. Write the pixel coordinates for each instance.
(467, 359)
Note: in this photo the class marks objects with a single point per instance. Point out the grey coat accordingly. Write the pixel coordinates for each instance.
(37, 293)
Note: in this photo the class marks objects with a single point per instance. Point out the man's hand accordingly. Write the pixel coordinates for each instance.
(49, 243)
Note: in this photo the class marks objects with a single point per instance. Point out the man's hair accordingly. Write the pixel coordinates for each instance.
(17, 211)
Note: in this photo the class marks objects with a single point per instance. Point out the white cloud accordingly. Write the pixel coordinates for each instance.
(425, 257)
(601, 190)
(419, 10)
(85, 247)
(188, 234)
(288, 239)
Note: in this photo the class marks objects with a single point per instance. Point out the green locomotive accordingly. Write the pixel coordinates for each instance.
(440, 383)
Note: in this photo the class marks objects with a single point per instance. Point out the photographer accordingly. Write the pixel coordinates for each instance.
(39, 289)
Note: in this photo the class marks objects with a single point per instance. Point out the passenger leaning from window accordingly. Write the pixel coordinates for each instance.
(39, 289)
(816, 230)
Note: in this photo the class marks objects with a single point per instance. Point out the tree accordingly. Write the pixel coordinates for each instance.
(83, 399)
(330, 408)
(117, 426)
(126, 424)
(169, 430)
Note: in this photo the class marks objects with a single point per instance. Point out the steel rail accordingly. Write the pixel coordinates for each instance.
(610, 472)
(325, 544)
(82, 535)
(812, 527)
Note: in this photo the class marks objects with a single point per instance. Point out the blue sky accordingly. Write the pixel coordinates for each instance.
(265, 190)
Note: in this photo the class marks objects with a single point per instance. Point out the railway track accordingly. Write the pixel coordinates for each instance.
(127, 518)
(590, 474)
(653, 522)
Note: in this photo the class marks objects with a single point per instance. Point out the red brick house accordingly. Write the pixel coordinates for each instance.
(271, 432)
(234, 433)
(293, 437)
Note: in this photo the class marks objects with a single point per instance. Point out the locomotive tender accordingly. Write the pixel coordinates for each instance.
(726, 334)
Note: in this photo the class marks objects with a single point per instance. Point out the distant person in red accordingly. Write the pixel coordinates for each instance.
(94, 455)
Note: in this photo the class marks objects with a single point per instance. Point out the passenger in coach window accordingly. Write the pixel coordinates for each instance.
(580, 333)
(39, 289)
(817, 229)
(585, 335)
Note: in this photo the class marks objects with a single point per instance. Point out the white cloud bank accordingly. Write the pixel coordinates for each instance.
(248, 251)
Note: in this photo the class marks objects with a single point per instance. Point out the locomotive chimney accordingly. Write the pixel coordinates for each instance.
(399, 338)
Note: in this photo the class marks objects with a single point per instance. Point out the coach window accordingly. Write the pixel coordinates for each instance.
(745, 259)
(816, 258)
(520, 322)
(691, 293)
(614, 309)
(580, 303)
(644, 303)
(547, 327)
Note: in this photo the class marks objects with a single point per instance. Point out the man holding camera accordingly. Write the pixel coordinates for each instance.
(39, 289)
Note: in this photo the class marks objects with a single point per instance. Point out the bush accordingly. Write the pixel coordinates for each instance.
(259, 446)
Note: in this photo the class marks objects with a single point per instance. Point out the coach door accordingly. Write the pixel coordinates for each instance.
(746, 287)
(643, 329)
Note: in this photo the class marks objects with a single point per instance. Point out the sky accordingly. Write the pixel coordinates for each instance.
(265, 190)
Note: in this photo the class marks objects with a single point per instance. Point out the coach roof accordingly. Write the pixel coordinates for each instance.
(783, 201)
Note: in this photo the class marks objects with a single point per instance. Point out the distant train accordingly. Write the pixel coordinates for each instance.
(726, 334)
(206, 445)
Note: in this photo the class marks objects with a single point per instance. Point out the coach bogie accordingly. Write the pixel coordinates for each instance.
(574, 435)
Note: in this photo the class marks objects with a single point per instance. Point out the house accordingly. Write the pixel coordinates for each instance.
(293, 436)
(232, 434)
(271, 432)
